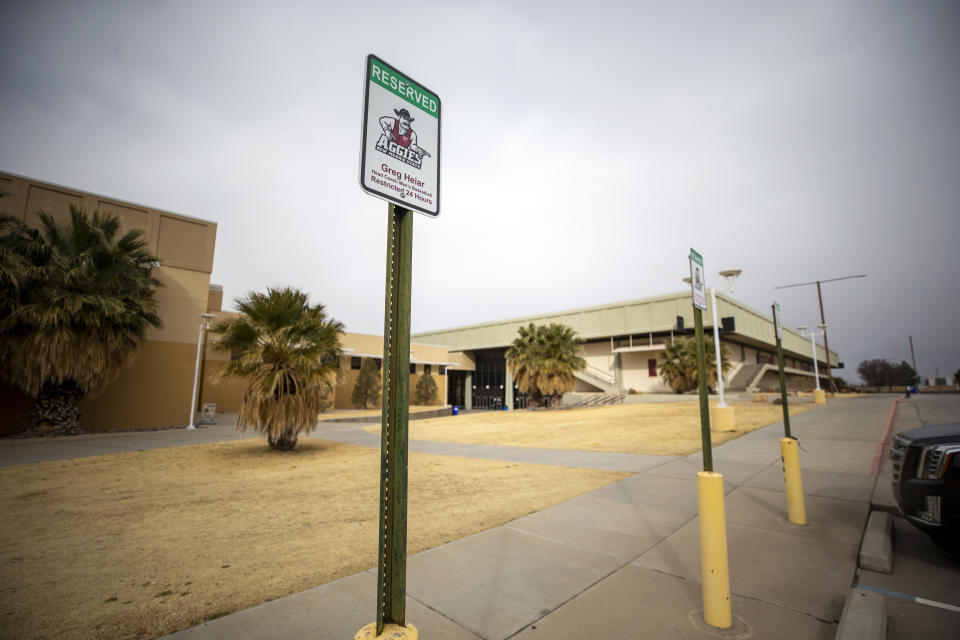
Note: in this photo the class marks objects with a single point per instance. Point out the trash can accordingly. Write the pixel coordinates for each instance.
(506, 408)
(456, 410)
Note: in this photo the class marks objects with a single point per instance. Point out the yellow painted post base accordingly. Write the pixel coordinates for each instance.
(714, 569)
(390, 632)
(793, 481)
(819, 396)
(723, 419)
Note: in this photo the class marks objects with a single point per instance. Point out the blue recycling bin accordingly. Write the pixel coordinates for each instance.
(456, 410)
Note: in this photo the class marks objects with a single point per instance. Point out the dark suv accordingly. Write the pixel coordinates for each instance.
(926, 481)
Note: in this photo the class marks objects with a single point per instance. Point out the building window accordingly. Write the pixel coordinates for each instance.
(426, 369)
(652, 367)
(355, 362)
(441, 371)
(413, 369)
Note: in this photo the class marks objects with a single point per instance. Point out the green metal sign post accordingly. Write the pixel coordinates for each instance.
(783, 376)
(698, 285)
(399, 163)
(392, 565)
(792, 476)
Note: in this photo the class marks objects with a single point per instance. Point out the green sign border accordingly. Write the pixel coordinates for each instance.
(404, 87)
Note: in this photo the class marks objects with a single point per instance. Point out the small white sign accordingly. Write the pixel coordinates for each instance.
(776, 320)
(697, 281)
(208, 414)
(400, 153)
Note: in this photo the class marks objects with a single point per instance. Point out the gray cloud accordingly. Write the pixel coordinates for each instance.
(586, 148)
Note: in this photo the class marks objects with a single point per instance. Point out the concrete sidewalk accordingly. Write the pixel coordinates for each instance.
(623, 561)
(15, 451)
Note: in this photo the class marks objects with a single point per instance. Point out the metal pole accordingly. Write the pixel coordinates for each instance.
(783, 376)
(702, 383)
(826, 345)
(392, 562)
(816, 372)
(196, 379)
(716, 344)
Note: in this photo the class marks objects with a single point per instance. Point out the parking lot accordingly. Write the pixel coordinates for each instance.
(922, 594)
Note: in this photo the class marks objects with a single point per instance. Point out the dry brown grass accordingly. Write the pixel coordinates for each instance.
(142, 544)
(650, 428)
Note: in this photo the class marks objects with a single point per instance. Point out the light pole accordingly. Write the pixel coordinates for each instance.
(823, 320)
(207, 317)
(725, 416)
(819, 397)
(716, 345)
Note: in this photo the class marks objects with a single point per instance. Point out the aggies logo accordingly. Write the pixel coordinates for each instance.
(399, 141)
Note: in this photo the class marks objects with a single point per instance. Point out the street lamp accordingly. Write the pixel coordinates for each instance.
(731, 275)
(207, 317)
(819, 396)
(823, 320)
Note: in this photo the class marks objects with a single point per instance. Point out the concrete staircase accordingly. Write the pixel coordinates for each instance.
(602, 380)
(597, 400)
(744, 378)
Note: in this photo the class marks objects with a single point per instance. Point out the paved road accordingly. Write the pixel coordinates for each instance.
(920, 569)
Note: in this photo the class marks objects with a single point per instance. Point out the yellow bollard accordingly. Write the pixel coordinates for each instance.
(819, 396)
(714, 570)
(390, 632)
(723, 419)
(796, 510)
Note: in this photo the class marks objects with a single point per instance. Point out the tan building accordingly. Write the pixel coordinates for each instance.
(155, 387)
(355, 347)
(623, 348)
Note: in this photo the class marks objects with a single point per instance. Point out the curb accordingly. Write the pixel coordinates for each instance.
(876, 550)
(864, 617)
(875, 467)
(414, 415)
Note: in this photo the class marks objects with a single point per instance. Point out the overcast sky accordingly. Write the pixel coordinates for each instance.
(586, 147)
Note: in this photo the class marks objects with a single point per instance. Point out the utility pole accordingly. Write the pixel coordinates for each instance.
(913, 358)
(823, 320)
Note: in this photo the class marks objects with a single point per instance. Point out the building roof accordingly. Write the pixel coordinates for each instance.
(635, 317)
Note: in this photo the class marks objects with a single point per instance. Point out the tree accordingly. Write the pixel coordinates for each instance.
(543, 360)
(875, 373)
(290, 351)
(75, 301)
(679, 365)
(880, 373)
(956, 377)
(426, 392)
(366, 390)
(903, 375)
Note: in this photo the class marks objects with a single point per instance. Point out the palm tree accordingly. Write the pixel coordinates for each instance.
(290, 351)
(543, 360)
(679, 365)
(75, 301)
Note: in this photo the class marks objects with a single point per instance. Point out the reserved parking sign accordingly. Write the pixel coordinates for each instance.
(400, 153)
